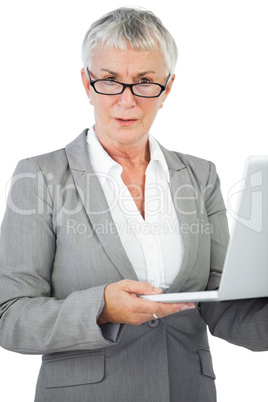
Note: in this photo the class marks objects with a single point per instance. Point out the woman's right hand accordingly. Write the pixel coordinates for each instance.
(123, 306)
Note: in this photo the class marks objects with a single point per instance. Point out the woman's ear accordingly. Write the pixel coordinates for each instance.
(167, 91)
(169, 86)
(86, 84)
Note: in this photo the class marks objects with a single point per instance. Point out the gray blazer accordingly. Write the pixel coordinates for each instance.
(60, 248)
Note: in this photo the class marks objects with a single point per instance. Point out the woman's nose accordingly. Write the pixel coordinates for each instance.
(126, 98)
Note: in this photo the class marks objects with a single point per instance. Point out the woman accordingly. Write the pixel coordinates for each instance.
(110, 217)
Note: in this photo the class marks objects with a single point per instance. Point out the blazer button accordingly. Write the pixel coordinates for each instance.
(153, 323)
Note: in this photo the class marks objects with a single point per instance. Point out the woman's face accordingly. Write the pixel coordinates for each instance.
(125, 118)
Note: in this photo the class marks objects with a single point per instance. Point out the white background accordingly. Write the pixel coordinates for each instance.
(217, 110)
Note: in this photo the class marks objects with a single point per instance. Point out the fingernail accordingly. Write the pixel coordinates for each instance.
(188, 306)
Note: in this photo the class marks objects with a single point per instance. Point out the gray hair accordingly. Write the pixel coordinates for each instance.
(137, 27)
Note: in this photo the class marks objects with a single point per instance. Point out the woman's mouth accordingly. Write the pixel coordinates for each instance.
(125, 122)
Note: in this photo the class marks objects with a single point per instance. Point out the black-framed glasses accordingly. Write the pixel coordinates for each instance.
(144, 90)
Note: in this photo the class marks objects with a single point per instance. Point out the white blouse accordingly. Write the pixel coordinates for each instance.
(154, 245)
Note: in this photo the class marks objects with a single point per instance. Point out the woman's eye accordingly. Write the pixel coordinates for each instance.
(109, 81)
(145, 81)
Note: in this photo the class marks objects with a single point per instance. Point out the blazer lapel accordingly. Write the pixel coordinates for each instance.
(94, 201)
(185, 202)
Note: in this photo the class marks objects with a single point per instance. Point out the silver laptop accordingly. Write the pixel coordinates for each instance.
(245, 271)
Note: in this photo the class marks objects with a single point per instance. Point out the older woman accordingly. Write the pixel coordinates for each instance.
(110, 217)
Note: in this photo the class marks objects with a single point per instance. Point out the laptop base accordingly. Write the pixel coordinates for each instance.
(184, 297)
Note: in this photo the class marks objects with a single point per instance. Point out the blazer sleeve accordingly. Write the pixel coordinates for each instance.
(31, 320)
(240, 322)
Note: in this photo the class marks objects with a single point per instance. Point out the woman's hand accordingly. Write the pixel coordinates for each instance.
(122, 305)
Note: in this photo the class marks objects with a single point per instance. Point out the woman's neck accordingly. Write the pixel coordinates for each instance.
(128, 155)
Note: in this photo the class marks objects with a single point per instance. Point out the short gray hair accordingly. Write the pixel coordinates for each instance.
(137, 27)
